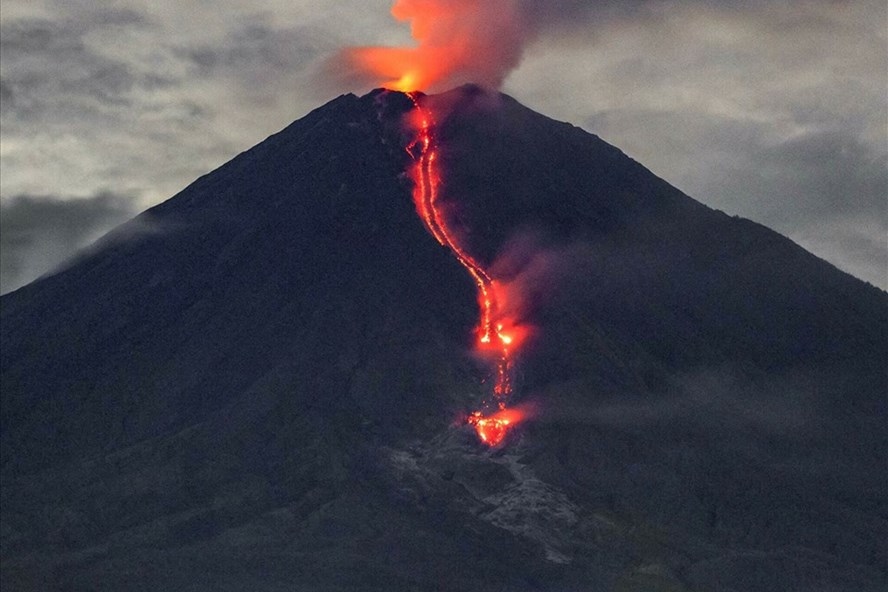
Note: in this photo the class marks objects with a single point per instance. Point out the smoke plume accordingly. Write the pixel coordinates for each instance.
(467, 41)
(457, 41)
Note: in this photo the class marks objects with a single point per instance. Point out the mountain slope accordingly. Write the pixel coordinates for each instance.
(258, 382)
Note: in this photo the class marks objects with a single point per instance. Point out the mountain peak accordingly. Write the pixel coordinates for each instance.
(282, 367)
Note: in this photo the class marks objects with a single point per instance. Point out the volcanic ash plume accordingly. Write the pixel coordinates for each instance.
(458, 41)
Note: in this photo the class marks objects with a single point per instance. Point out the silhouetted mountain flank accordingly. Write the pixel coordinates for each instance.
(258, 383)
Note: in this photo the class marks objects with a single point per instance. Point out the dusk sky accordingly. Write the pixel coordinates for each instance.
(774, 111)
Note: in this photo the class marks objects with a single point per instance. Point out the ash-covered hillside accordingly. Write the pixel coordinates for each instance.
(258, 384)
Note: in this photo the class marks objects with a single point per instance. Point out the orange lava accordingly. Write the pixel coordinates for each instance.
(455, 41)
(497, 336)
(492, 430)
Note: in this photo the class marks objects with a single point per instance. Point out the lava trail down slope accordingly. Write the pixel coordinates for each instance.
(262, 382)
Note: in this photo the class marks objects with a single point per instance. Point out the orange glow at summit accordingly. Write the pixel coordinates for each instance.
(456, 41)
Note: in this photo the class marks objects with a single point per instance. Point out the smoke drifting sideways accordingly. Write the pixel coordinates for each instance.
(530, 275)
(467, 41)
(457, 41)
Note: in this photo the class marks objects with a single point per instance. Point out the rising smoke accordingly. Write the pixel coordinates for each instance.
(482, 41)
(457, 41)
(464, 41)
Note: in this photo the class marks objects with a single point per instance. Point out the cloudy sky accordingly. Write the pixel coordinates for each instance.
(775, 111)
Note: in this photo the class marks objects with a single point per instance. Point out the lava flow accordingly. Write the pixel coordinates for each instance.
(457, 41)
(496, 336)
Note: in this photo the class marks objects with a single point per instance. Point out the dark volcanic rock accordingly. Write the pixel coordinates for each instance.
(258, 384)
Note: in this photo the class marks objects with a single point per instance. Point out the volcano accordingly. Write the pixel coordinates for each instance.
(263, 383)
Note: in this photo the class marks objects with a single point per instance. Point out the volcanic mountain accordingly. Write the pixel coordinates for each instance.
(262, 383)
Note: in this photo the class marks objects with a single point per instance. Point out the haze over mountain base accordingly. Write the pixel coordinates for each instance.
(266, 390)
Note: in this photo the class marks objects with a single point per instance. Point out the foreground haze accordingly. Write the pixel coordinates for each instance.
(261, 382)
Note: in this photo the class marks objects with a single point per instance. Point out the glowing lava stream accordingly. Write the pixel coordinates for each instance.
(492, 335)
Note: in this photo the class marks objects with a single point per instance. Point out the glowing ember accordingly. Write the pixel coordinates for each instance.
(492, 430)
(496, 336)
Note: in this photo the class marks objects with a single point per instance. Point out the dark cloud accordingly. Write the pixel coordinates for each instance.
(578, 14)
(771, 110)
(95, 98)
(50, 69)
(825, 187)
(258, 58)
(7, 97)
(38, 233)
(255, 46)
(820, 175)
